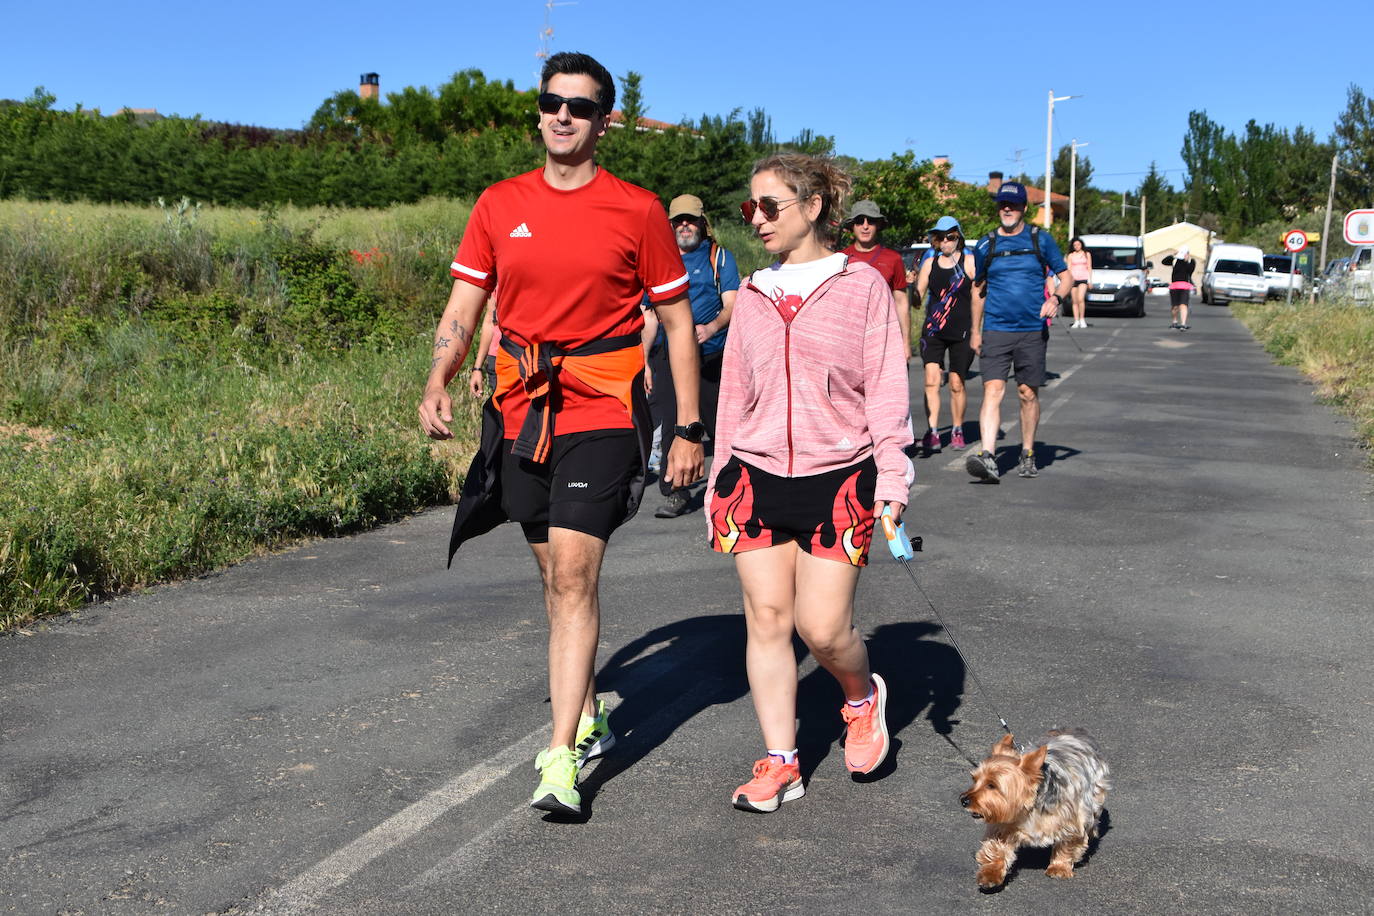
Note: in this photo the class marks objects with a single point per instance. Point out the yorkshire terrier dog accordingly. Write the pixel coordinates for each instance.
(1051, 796)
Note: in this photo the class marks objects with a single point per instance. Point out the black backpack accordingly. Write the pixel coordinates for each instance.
(982, 277)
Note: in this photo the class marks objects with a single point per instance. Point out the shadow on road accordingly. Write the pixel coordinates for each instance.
(674, 672)
(922, 676)
(694, 664)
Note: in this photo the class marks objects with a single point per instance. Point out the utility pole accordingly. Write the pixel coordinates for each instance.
(1073, 181)
(1326, 229)
(1049, 152)
(1142, 217)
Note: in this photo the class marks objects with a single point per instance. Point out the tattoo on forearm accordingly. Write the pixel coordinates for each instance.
(441, 343)
(459, 331)
(433, 362)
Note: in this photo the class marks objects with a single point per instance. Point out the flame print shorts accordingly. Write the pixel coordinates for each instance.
(829, 515)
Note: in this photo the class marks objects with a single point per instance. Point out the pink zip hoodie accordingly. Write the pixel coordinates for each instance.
(821, 393)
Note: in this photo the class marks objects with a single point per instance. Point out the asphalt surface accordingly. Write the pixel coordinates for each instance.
(347, 727)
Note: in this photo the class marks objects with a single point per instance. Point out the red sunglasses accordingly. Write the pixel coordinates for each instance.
(769, 206)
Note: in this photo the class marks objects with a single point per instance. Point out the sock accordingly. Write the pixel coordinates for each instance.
(784, 756)
(872, 692)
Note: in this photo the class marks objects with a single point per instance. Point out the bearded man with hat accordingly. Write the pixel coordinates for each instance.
(865, 221)
(713, 280)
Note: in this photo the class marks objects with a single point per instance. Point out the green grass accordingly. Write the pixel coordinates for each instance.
(1332, 344)
(181, 390)
(172, 466)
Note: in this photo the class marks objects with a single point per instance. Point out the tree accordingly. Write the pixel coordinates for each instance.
(1064, 168)
(1353, 137)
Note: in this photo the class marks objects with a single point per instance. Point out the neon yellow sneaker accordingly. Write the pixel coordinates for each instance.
(557, 790)
(594, 735)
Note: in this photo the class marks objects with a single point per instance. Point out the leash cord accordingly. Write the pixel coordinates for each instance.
(906, 564)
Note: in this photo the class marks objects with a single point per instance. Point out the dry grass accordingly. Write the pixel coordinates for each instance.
(1331, 344)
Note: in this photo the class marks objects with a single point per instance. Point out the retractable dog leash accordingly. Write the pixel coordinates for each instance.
(1070, 333)
(904, 551)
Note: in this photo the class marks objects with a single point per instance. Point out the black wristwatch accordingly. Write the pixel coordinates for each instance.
(692, 432)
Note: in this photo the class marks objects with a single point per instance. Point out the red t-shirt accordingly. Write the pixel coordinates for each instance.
(574, 266)
(888, 263)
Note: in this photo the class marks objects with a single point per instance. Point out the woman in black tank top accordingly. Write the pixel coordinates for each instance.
(947, 273)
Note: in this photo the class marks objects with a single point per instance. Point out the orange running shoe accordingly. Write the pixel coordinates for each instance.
(865, 738)
(774, 782)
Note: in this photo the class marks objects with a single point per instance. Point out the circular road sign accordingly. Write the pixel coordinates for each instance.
(1359, 227)
(1295, 240)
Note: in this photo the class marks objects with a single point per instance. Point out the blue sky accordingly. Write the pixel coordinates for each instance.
(965, 80)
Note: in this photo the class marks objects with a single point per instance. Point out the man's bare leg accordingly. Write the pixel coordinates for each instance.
(1030, 415)
(570, 564)
(990, 416)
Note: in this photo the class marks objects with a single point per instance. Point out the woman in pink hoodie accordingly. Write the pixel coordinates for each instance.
(814, 418)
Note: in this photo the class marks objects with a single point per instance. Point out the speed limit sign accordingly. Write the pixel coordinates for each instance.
(1295, 240)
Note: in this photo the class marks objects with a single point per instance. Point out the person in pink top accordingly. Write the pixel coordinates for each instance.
(1080, 262)
(810, 437)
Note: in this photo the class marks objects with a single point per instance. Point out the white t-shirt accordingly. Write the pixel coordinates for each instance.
(789, 285)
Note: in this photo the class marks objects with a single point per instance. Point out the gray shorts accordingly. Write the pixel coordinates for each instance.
(1022, 351)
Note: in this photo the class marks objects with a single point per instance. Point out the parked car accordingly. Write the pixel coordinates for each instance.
(1359, 277)
(1279, 276)
(1158, 283)
(1234, 272)
(1329, 283)
(912, 254)
(1118, 278)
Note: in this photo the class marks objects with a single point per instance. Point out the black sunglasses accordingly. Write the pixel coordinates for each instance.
(578, 106)
(684, 220)
(769, 206)
(864, 221)
(938, 237)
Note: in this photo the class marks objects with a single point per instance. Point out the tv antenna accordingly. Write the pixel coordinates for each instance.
(546, 34)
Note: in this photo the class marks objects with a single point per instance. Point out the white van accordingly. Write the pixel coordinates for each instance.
(1234, 272)
(1118, 280)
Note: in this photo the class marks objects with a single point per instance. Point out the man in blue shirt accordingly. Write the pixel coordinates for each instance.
(713, 280)
(1010, 324)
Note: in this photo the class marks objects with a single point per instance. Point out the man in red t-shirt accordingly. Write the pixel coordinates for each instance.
(565, 435)
(865, 221)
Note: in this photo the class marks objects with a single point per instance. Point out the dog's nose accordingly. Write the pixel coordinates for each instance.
(963, 801)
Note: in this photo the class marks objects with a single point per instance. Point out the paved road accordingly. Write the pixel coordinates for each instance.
(350, 728)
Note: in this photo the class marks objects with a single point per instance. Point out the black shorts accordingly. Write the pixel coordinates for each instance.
(1022, 351)
(933, 350)
(829, 515)
(1178, 297)
(584, 485)
(1080, 282)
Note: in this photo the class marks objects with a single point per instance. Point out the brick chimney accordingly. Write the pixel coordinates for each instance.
(994, 181)
(368, 86)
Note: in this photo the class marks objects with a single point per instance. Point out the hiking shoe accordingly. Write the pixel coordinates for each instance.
(557, 790)
(1174, 325)
(1184, 327)
(774, 782)
(594, 735)
(1026, 467)
(673, 506)
(865, 732)
(983, 466)
(931, 443)
(956, 438)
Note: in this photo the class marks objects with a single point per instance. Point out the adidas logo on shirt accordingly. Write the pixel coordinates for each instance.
(845, 443)
(521, 232)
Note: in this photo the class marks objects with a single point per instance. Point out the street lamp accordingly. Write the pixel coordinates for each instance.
(1074, 146)
(1049, 145)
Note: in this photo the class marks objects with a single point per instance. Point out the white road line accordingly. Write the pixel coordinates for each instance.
(1054, 405)
(299, 894)
(472, 853)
